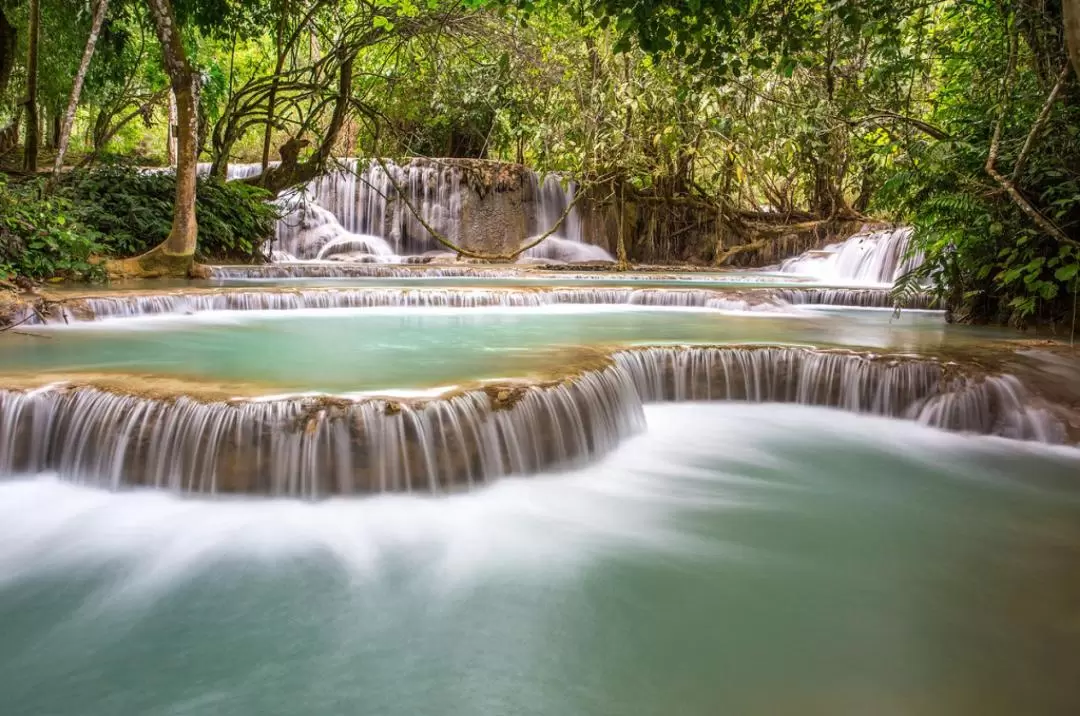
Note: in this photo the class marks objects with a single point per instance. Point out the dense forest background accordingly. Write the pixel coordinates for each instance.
(961, 117)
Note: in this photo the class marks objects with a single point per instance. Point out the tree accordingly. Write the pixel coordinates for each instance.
(30, 144)
(76, 88)
(1070, 15)
(176, 254)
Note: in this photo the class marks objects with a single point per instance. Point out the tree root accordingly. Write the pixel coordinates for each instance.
(155, 263)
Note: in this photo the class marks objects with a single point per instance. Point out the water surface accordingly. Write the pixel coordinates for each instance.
(735, 559)
(361, 349)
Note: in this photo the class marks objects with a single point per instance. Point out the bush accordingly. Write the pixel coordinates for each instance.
(129, 211)
(39, 237)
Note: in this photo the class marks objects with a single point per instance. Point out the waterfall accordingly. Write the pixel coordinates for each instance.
(308, 231)
(567, 244)
(317, 446)
(346, 270)
(312, 447)
(917, 390)
(358, 198)
(188, 302)
(875, 257)
(128, 305)
(857, 297)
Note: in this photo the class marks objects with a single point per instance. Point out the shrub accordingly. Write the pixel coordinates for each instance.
(129, 211)
(39, 237)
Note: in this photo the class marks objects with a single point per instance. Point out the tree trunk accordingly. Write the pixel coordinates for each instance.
(175, 254)
(76, 88)
(1070, 12)
(271, 101)
(170, 131)
(292, 173)
(30, 146)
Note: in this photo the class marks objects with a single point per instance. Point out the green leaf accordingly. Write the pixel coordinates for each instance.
(1066, 273)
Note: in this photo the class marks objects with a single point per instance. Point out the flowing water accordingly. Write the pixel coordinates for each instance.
(631, 494)
(875, 257)
(733, 559)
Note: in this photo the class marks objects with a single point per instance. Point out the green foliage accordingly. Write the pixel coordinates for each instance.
(990, 261)
(129, 211)
(39, 237)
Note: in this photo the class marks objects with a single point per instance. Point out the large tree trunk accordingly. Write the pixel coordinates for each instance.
(175, 255)
(30, 146)
(1070, 12)
(76, 88)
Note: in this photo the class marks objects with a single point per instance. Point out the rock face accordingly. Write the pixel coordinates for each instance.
(482, 206)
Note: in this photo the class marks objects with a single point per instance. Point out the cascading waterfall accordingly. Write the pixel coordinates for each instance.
(312, 447)
(307, 231)
(133, 305)
(318, 446)
(875, 257)
(364, 200)
(918, 390)
(857, 297)
(358, 199)
(567, 244)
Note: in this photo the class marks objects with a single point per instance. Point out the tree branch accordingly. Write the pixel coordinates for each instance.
(1036, 128)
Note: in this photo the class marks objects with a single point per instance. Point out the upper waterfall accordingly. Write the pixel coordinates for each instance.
(355, 209)
(870, 257)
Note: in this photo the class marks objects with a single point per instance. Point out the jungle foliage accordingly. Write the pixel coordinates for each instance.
(120, 211)
(959, 117)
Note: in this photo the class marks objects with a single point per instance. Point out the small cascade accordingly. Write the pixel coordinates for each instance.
(854, 382)
(314, 447)
(134, 305)
(995, 405)
(362, 200)
(856, 297)
(875, 257)
(567, 244)
(346, 270)
(310, 232)
(899, 388)
(552, 198)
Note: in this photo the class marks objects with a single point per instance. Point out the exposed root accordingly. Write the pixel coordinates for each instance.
(158, 262)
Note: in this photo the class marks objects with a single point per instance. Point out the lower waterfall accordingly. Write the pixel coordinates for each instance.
(313, 447)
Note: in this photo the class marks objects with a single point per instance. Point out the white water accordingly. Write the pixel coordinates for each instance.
(93, 308)
(567, 244)
(358, 200)
(869, 258)
(735, 559)
(313, 447)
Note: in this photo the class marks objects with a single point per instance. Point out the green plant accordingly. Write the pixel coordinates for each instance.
(129, 210)
(39, 237)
